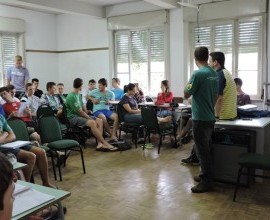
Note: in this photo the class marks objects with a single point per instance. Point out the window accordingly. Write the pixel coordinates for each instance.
(241, 42)
(140, 58)
(9, 48)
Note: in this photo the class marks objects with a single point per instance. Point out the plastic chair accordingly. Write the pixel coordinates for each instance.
(151, 125)
(50, 133)
(19, 128)
(128, 127)
(251, 161)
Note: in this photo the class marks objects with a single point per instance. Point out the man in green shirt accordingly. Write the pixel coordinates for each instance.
(203, 86)
(77, 115)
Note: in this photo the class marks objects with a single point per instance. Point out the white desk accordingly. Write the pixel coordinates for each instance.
(58, 194)
(260, 125)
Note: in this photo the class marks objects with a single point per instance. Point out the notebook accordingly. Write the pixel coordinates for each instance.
(15, 144)
(27, 198)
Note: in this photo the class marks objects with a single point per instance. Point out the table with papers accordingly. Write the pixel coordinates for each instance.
(31, 198)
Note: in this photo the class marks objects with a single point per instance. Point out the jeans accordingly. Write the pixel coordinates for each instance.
(202, 132)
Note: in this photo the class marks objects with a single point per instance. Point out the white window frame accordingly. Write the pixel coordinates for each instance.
(19, 51)
(235, 46)
(166, 47)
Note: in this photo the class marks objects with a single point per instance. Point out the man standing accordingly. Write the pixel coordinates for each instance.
(18, 76)
(225, 108)
(203, 86)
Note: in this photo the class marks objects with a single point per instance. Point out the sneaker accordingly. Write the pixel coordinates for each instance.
(148, 146)
(191, 161)
(201, 188)
(197, 178)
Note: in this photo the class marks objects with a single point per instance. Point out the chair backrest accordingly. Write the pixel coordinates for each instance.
(44, 110)
(121, 113)
(49, 129)
(178, 99)
(149, 117)
(89, 105)
(19, 128)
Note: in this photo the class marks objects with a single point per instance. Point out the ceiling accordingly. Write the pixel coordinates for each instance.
(94, 8)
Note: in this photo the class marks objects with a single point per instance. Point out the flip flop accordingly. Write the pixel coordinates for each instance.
(113, 149)
(103, 149)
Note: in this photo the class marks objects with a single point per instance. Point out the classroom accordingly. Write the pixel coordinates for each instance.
(135, 109)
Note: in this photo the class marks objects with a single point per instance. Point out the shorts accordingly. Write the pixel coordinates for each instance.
(79, 121)
(105, 112)
(16, 151)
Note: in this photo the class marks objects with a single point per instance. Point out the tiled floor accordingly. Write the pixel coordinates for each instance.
(136, 185)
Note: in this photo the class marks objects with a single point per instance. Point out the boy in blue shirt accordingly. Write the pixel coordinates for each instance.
(101, 109)
(118, 92)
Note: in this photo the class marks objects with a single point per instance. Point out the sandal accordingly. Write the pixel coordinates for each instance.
(113, 149)
(103, 149)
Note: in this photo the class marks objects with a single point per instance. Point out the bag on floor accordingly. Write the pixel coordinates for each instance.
(122, 145)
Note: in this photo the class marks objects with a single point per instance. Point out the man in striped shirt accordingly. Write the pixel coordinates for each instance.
(225, 107)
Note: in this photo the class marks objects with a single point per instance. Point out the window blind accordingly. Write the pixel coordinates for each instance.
(8, 50)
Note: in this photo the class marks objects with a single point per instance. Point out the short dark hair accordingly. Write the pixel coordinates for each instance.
(201, 54)
(130, 86)
(92, 81)
(50, 85)
(27, 85)
(60, 84)
(103, 82)
(77, 83)
(10, 87)
(219, 57)
(238, 81)
(6, 174)
(117, 80)
(5, 88)
(35, 80)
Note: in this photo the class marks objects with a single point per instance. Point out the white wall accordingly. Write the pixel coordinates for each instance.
(82, 32)
(40, 35)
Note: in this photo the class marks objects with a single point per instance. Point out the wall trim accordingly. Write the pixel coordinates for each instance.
(66, 51)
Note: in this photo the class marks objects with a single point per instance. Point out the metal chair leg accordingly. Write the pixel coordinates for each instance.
(81, 150)
(53, 165)
(160, 143)
(59, 167)
(237, 184)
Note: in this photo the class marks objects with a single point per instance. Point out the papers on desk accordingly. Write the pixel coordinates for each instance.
(27, 198)
(248, 107)
(15, 144)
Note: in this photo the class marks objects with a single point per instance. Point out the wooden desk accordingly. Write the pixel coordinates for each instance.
(58, 194)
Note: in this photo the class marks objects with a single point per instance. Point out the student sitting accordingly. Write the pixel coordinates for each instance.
(139, 96)
(100, 98)
(91, 86)
(51, 99)
(133, 113)
(37, 92)
(6, 188)
(12, 92)
(165, 96)
(77, 116)
(118, 92)
(32, 100)
(28, 154)
(11, 108)
(242, 98)
(60, 90)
